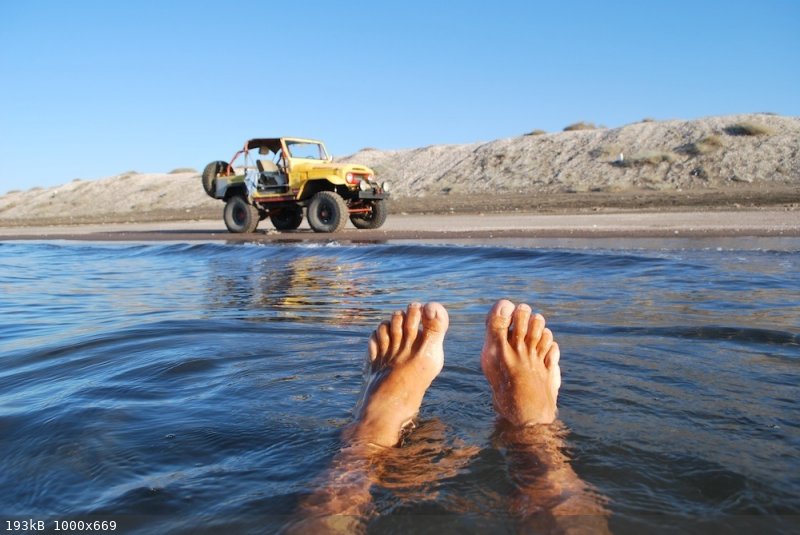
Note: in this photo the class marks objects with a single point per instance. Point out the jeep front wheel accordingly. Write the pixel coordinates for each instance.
(372, 219)
(287, 218)
(240, 216)
(327, 212)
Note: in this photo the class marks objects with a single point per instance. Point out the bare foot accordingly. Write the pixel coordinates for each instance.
(520, 361)
(403, 360)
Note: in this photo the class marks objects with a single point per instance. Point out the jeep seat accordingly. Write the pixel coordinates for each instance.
(267, 166)
(270, 175)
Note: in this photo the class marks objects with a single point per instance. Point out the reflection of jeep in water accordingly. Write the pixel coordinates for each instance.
(281, 176)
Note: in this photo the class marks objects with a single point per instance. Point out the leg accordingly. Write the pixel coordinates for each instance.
(521, 362)
(402, 361)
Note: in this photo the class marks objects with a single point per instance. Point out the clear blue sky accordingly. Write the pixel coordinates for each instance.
(94, 88)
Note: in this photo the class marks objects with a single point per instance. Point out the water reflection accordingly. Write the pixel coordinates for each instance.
(312, 288)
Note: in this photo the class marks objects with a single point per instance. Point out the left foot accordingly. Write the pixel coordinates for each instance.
(403, 361)
(520, 361)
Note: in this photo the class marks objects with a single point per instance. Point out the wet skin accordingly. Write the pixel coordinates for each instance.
(520, 360)
(404, 356)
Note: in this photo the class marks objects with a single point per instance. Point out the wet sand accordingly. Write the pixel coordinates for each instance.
(744, 223)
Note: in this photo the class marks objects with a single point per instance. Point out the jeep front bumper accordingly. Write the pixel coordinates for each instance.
(372, 191)
(372, 195)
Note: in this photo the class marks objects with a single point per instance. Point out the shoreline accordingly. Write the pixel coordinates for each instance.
(454, 227)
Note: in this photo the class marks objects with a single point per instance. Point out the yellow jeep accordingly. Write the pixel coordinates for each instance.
(279, 177)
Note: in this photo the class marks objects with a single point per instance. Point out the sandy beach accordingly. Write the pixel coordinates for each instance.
(744, 223)
(715, 176)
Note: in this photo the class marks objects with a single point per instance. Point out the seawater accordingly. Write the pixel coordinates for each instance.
(203, 387)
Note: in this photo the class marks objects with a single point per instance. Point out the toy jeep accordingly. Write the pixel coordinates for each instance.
(279, 177)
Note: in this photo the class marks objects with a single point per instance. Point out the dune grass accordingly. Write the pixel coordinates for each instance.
(182, 170)
(647, 157)
(748, 128)
(580, 126)
(606, 151)
(536, 132)
(706, 145)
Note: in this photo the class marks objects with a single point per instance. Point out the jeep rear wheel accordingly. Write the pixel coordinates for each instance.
(240, 216)
(287, 218)
(327, 212)
(373, 219)
(210, 174)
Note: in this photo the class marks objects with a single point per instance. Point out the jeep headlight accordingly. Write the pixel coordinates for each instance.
(364, 185)
(385, 187)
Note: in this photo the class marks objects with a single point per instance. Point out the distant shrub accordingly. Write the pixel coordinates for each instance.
(367, 149)
(706, 145)
(648, 157)
(606, 151)
(182, 170)
(536, 132)
(126, 175)
(580, 126)
(648, 120)
(749, 129)
(13, 191)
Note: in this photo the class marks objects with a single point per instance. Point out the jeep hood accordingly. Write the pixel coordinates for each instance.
(339, 168)
(344, 167)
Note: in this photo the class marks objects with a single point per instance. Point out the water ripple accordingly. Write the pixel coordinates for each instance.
(207, 384)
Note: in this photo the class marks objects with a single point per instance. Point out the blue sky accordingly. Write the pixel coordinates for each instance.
(95, 88)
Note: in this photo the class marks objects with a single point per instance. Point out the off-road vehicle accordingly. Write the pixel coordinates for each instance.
(277, 178)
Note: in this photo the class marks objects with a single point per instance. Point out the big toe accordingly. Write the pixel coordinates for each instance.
(499, 318)
(435, 321)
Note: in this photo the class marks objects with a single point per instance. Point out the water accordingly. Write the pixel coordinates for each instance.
(186, 388)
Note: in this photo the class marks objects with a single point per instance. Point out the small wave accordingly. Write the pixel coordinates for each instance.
(693, 332)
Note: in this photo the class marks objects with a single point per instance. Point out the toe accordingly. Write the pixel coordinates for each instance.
(552, 357)
(413, 316)
(499, 319)
(372, 348)
(520, 320)
(435, 320)
(535, 329)
(545, 342)
(382, 338)
(396, 332)
(411, 327)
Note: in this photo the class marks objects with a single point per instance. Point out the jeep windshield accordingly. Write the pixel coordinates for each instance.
(304, 149)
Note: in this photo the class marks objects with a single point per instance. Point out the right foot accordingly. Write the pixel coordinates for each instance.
(520, 361)
(403, 360)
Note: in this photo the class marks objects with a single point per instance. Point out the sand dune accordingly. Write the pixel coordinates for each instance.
(757, 152)
(698, 154)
